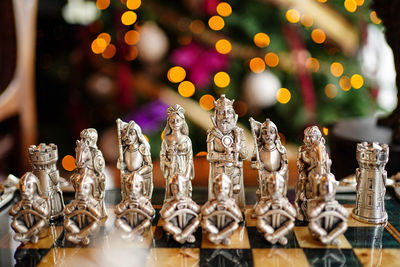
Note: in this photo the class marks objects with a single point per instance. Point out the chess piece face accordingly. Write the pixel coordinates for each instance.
(175, 121)
(89, 136)
(269, 133)
(130, 136)
(311, 135)
(224, 116)
(83, 153)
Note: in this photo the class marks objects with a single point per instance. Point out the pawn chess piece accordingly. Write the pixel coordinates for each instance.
(328, 219)
(135, 212)
(275, 214)
(221, 214)
(134, 156)
(32, 213)
(180, 213)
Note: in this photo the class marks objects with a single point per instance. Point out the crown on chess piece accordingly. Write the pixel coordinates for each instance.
(176, 109)
(223, 102)
(43, 154)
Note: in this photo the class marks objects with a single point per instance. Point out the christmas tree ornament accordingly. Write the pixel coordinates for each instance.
(260, 89)
(153, 43)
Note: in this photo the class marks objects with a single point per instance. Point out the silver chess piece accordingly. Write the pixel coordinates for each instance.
(221, 214)
(32, 213)
(84, 213)
(90, 163)
(135, 212)
(7, 189)
(226, 149)
(43, 159)
(176, 155)
(371, 183)
(134, 156)
(180, 213)
(313, 163)
(275, 214)
(328, 219)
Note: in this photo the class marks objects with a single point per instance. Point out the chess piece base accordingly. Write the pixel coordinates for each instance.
(363, 219)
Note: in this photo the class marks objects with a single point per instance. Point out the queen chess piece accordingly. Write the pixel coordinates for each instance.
(180, 213)
(221, 214)
(32, 213)
(135, 212)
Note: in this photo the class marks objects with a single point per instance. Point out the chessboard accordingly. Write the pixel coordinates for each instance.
(361, 245)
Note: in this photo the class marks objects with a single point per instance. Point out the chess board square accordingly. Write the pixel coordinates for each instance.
(239, 240)
(29, 257)
(305, 239)
(173, 257)
(257, 240)
(51, 235)
(378, 257)
(162, 240)
(226, 257)
(279, 257)
(369, 237)
(331, 257)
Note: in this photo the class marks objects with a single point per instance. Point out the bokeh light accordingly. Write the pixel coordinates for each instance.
(162, 135)
(257, 65)
(283, 95)
(132, 53)
(350, 5)
(336, 69)
(102, 4)
(359, 2)
(186, 89)
(128, 18)
(292, 15)
(331, 90)
(98, 45)
(312, 64)
(224, 9)
(133, 4)
(322, 1)
(223, 46)
(197, 26)
(109, 52)
(132, 37)
(357, 81)
(201, 154)
(176, 74)
(240, 108)
(207, 102)
(261, 40)
(222, 79)
(374, 18)
(68, 163)
(318, 36)
(216, 23)
(307, 20)
(325, 130)
(105, 36)
(271, 59)
(344, 83)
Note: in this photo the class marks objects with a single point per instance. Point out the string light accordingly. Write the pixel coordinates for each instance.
(68, 163)
(109, 52)
(272, 59)
(307, 20)
(292, 15)
(131, 37)
(359, 2)
(222, 79)
(176, 74)
(312, 64)
(331, 90)
(201, 154)
(336, 69)
(128, 18)
(357, 81)
(98, 45)
(350, 5)
(257, 65)
(132, 54)
(261, 40)
(196, 26)
(318, 36)
(133, 4)
(374, 18)
(207, 102)
(344, 83)
(283, 95)
(102, 4)
(223, 46)
(186, 89)
(325, 130)
(105, 36)
(224, 9)
(216, 23)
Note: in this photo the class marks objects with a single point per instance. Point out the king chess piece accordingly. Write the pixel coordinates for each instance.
(180, 213)
(135, 212)
(134, 156)
(32, 213)
(176, 155)
(226, 149)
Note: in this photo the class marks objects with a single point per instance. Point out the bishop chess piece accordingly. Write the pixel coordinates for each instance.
(221, 214)
(32, 213)
(180, 213)
(371, 183)
(176, 155)
(134, 156)
(135, 212)
(226, 149)
(328, 219)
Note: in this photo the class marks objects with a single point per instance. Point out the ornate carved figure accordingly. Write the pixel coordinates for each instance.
(43, 159)
(90, 163)
(269, 157)
(221, 215)
(135, 212)
(176, 156)
(328, 219)
(7, 189)
(180, 213)
(134, 156)
(84, 213)
(32, 213)
(313, 163)
(226, 149)
(275, 214)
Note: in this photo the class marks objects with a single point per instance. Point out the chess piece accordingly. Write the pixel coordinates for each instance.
(226, 149)
(84, 213)
(269, 157)
(275, 214)
(221, 214)
(32, 213)
(43, 159)
(90, 163)
(134, 156)
(371, 183)
(176, 155)
(7, 189)
(313, 163)
(328, 219)
(180, 213)
(134, 212)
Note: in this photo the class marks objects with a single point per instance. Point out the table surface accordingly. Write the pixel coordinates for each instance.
(361, 245)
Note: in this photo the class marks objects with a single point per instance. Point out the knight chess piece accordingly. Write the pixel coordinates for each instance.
(43, 159)
(31, 214)
(328, 219)
(176, 155)
(313, 163)
(180, 213)
(226, 149)
(275, 214)
(371, 183)
(221, 214)
(135, 212)
(134, 156)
